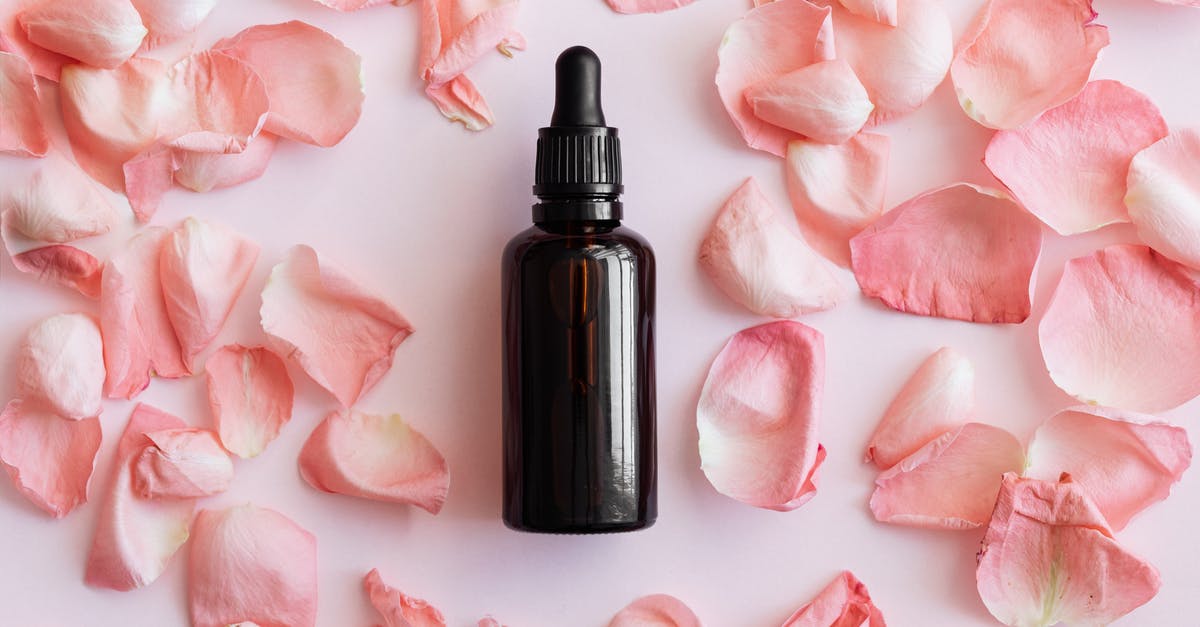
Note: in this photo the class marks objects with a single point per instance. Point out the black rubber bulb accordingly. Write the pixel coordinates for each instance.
(577, 89)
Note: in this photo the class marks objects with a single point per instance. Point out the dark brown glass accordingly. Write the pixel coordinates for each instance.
(579, 437)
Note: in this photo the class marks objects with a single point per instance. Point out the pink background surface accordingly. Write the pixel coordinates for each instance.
(419, 209)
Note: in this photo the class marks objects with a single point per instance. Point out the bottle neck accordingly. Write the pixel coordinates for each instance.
(577, 208)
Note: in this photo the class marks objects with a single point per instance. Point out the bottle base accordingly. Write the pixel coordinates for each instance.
(580, 529)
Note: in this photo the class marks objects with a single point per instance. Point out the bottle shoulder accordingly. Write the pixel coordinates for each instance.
(538, 238)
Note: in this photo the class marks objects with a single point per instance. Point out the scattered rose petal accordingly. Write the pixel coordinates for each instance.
(1163, 196)
(455, 35)
(375, 457)
(882, 11)
(460, 101)
(758, 416)
(354, 5)
(845, 602)
(44, 63)
(824, 102)
(181, 464)
(1121, 330)
(21, 130)
(48, 458)
(1048, 557)
(399, 609)
(168, 20)
(250, 394)
(1094, 137)
(252, 565)
(148, 177)
(60, 365)
(488, 621)
(646, 6)
(655, 610)
(62, 265)
(59, 204)
(1020, 58)
(221, 103)
(202, 171)
(960, 252)
(100, 33)
(341, 335)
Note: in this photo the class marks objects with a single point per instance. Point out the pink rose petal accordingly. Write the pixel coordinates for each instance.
(882, 11)
(488, 621)
(399, 609)
(59, 204)
(168, 20)
(354, 5)
(655, 610)
(13, 39)
(251, 565)
(100, 33)
(1094, 137)
(1121, 330)
(340, 334)
(960, 252)
(1048, 557)
(824, 102)
(1022, 57)
(646, 6)
(1163, 196)
(758, 416)
(62, 265)
(460, 101)
(48, 458)
(375, 457)
(21, 130)
(60, 365)
(202, 171)
(939, 397)
(456, 34)
(845, 602)
(148, 176)
(250, 394)
(181, 464)
(221, 103)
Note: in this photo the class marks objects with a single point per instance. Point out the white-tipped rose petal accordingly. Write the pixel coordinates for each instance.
(220, 103)
(340, 334)
(100, 33)
(758, 416)
(960, 252)
(845, 602)
(62, 265)
(1121, 330)
(148, 177)
(399, 609)
(882, 11)
(1020, 58)
(60, 365)
(646, 6)
(48, 458)
(455, 35)
(252, 565)
(837, 191)
(21, 129)
(59, 204)
(1093, 138)
(135, 537)
(939, 397)
(250, 394)
(1048, 557)
(168, 20)
(951, 482)
(1163, 196)
(1124, 461)
(824, 102)
(205, 171)
(655, 610)
(375, 457)
(460, 101)
(181, 464)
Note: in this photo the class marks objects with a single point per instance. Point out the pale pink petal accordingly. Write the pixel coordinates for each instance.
(48, 458)
(882, 11)
(60, 365)
(824, 102)
(168, 20)
(203, 267)
(313, 79)
(1022, 57)
(1121, 330)
(138, 338)
(135, 537)
(459, 101)
(951, 482)
(1048, 557)
(58, 204)
(375, 457)
(45, 63)
(203, 171)
(340, 334)
(399, 609)
(655, 610)
(254, 565)
(456, 34)
(180, 464)
(148, 177)
(939, 397)
(758, 262)
(837, 191)
(758, 415)
(960, 252)
(62, 265)
(488, 621)
(845, 602)
(100, 33)
(220, 103)
(21, 130)
(1093, 138)
(646, 6)
(250, 394)
(1163, 196)
(354, 5)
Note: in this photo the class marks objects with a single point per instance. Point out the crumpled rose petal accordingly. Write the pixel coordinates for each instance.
(49, 458)
(655, 610)
(1048, 557)
(951, 482)
(313, 79)
(762, 265)
(824, 102)
(100, 33)
(340, 334)
(1124, 461)
(251, 565)
(62, 265)
(168, 20)
(939, 397)
(837, 191)
(882, 11)
(758, 416)
(21, 130)
(250, 394)
(181, 464)
(399, 609)
(1121, 330)
(845, 602)
(59, 204)
(646, 6)
(45, 63)
(961, 252)
(220, 103)
(1020, 58)
(1094, 137)
(203, 171)
(455, 35)
(460, 101)
(60, 365)
(135, 538)
(148, 177)
(1163, 196)
(375, 457)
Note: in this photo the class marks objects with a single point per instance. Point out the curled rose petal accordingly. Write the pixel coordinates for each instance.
(1048, 557)
(1163, 196)
(204, 171)
(455, 35)
(48, 458)
(250, 394)
(252, 565)
(220, 103)
(59, 204)
(1121, 330)
(375, 457)
(845, 602)
(824, 102)
(1022, 57)
(148, 177)
(62, 265)
(60, 365)
(168, 20)
(1094, 136)
(646, 6)
(44, 63)
(939, 397)
(762, 265)
(655, 610)
(960, 252)
(100, 33)
(882, 11)
(181, 464)
(341, 335)
(758, 415)
(460, 101)
(399, 609)
(837, 191)
(21, 130)
(1125, 462)
(951, 482)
